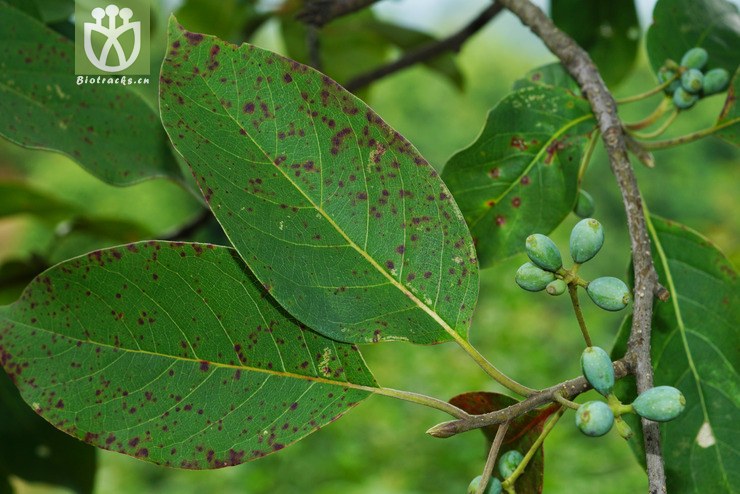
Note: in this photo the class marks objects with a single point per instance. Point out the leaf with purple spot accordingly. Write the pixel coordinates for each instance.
(106, 128)
(521, 174)
(173, 353)
(338, 215)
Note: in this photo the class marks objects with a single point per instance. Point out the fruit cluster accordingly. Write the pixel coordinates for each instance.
(689, 83)
(596, 418)
(546, 272)
(507, 464)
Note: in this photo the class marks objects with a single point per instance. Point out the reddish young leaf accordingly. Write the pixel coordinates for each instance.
(522, 433)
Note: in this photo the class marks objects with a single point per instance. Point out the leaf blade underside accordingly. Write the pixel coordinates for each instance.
(107, 128)
(350, 229)
(174, 354)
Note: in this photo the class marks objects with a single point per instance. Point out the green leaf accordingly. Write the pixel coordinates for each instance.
(522, 433)
(679, 25)
(108, 129)
(694, 348)
(550, 75)
(521, 174)
(608, 30)
(173, 353)
(730, 114)
(350, 229)
(35, 451)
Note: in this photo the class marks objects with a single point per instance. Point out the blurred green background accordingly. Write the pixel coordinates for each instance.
(380, 447)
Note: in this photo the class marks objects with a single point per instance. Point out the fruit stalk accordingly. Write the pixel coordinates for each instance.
(694, 136)
(573, 292)
(660, 130)
(549, 425)
(639, 97)
(498, 439)
(664, 106)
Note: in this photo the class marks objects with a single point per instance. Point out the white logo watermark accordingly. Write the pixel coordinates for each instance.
(112, 33)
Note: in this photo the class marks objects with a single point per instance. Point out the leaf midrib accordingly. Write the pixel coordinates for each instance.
(219, 365)
(433, 314)
(533, 162)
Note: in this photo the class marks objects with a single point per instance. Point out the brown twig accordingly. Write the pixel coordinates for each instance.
(320, 12)
(427, 51)
(498, 439)
(583, 70)
(313, 42)
(642, 154)
(567, 389)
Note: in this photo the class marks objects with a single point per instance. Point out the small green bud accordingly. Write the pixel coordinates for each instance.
(692, 81)
(594, 418)
(494, 486)
(695, 58)
(556, 287)
(543, 252)
(661, 404)
(623, 428)
(609, 293)
(598, 369)
(508, 462)
(584, 207)
(716, 81)
(532, 278)
(684, 99)
(586, 239)
(665, 75)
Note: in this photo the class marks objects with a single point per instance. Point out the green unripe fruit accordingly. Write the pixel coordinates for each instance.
(586, 239)
(716, 81)
(695, 58)
(532, 278)
(597, 369)
(543, 252)
(684, 99)
(508, 463)
(609, 293)
(494, 486)
(661, 404)
(692, 81)
(556, 287)
(584, 207)
(594, 418)
(665, 75)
